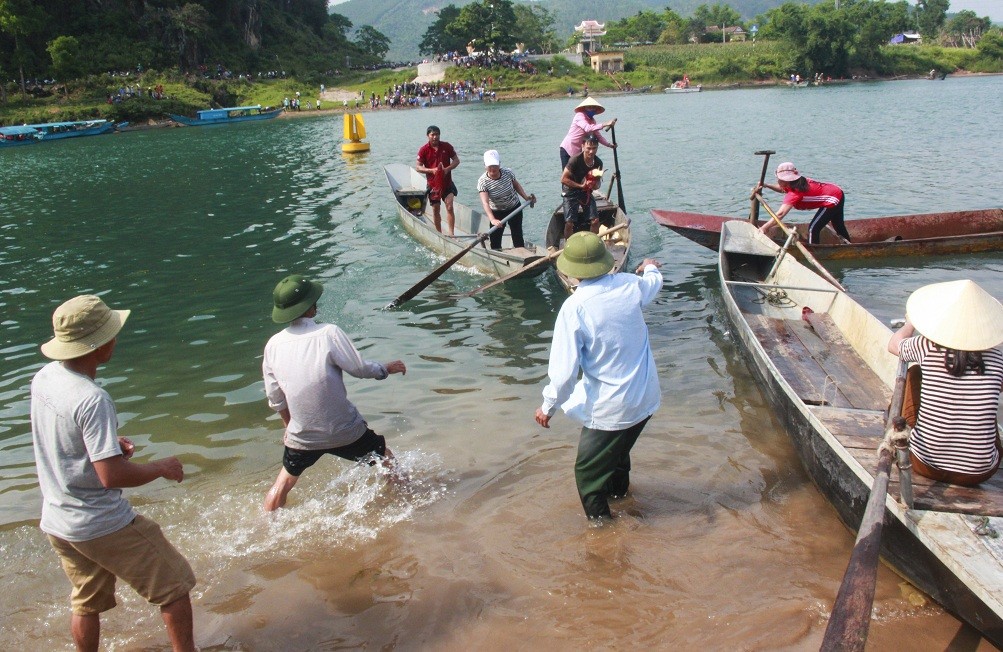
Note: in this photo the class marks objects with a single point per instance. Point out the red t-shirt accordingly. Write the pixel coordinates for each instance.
(430, 157)
(819, 194)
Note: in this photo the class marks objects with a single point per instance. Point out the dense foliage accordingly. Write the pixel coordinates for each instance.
(243, 36)
(489, 26)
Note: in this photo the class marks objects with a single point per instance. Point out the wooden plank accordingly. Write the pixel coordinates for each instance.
(853, 428)
(983, 500)
(795, 363)
(861, 386)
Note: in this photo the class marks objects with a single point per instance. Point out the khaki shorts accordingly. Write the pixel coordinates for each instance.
(139, 554)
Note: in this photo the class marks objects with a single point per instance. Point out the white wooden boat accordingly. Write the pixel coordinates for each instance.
(410, 196)
(823, 363)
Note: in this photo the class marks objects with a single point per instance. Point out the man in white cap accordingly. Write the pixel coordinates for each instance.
(600, 333)
(953, 331)
(802, 193)
(82, 467)
(304, 367)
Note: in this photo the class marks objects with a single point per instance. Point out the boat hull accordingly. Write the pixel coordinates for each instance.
(935, 550)
(196, 122)
(958, 232)
(618, 243)
(408, 187)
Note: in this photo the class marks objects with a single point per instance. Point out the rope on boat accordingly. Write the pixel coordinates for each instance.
(894, 439)
(775, 297)
(984, 529)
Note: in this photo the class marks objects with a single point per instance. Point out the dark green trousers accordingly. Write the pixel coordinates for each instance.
(603, 466)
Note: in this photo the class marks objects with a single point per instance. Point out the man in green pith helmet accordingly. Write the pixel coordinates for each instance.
(600, 331)
(303, 368)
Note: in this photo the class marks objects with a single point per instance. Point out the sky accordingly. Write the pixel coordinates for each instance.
(991, 8)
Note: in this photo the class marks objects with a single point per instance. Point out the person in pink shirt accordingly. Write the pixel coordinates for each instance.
(802, 193)
(583, 124)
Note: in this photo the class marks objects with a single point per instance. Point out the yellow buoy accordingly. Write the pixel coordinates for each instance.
(355, 131)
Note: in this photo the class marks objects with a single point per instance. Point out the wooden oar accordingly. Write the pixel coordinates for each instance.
(438, 271)
(851, 614)
(803, 249)
(754, 209)
(533, 265)
(616, 170)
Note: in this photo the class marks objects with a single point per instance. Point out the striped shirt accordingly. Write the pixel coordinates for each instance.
(501, 191)
(956, 425)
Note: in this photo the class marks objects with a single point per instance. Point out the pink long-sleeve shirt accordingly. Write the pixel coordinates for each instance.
(581, 126)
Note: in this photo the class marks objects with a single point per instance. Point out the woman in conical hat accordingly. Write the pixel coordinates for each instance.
(582, 125)
(954, 331)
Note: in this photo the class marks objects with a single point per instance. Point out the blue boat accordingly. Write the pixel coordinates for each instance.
(226, 115)
(59, 130)
(29, 134)
(20, 135)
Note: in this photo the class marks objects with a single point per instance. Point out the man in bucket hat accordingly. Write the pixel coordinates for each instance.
(600, 332)
(82, 467)
(303, 368)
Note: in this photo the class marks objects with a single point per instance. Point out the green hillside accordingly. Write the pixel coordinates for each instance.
(404, 21)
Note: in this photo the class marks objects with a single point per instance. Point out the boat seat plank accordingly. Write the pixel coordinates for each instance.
(983, 500)
(861, 431)
(836, 356)
(795, 363)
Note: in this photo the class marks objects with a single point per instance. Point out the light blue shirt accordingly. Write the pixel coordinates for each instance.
(600, 330)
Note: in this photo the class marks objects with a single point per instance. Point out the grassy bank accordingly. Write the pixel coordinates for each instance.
(711, 64)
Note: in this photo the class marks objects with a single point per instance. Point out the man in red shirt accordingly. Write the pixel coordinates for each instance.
(437, 159)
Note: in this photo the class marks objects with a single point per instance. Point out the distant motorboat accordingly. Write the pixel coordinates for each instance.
(226, 115)
(683, 87)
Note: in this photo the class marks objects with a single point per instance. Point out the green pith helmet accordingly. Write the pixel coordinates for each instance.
(293, 296)
(585, 256)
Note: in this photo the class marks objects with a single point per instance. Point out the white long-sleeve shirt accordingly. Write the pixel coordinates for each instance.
(303, 368)
(600, 330)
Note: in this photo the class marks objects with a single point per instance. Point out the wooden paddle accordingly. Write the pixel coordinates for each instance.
(851, 614)
(754, 209)
(533, 265)
(413, 291)
(616, 169)
(803, 249)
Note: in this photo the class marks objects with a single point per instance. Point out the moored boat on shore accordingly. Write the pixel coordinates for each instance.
(45, 131)
(409, 190)
(822, 362)
(227, 115)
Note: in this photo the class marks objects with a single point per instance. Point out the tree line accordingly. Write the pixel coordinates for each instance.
(832, 37)
(65, 40)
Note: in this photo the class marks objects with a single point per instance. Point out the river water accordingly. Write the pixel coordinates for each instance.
(724, 543)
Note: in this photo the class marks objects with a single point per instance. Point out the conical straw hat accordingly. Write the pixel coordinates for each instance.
(589, 103)
(957, 314)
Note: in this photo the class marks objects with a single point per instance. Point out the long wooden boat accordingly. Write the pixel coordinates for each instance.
(46, 131)
(618, 243)
(226, 115)
(822, 362)
(926, 234)
(409, 190)
(19, 135)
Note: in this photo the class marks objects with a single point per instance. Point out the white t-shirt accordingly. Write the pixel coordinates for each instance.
(303, 367)
(73, 424)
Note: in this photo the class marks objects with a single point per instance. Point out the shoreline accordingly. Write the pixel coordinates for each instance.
(506, 96)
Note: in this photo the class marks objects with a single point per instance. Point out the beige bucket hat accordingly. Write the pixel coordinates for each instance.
(589, 103)
(81, 325)
(957, 314)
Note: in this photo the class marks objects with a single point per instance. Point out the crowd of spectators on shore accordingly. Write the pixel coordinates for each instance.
(413, 94)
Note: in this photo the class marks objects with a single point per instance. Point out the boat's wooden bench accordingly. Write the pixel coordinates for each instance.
(818, 363)
(861, 431)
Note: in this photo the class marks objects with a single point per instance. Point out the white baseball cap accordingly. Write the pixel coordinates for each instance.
(491, 157)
